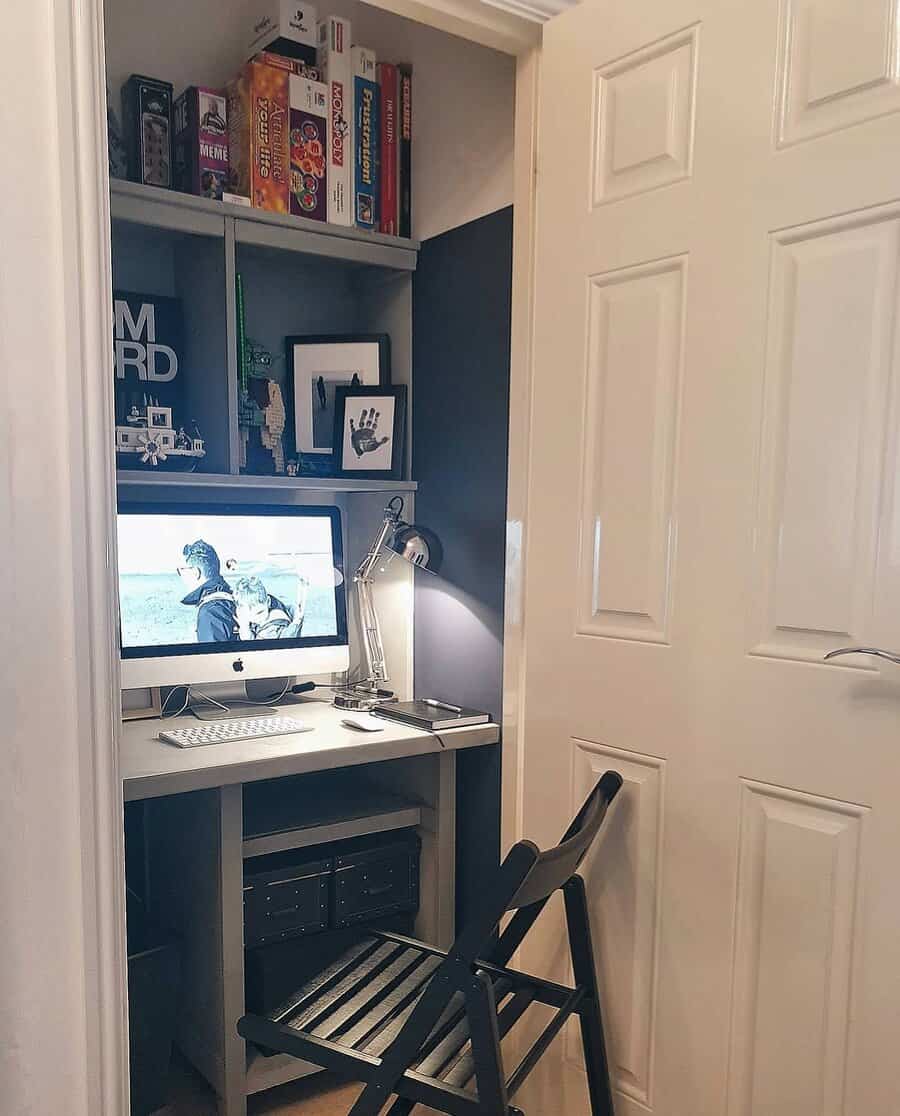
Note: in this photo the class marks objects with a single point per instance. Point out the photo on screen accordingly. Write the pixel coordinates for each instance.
(196, 580)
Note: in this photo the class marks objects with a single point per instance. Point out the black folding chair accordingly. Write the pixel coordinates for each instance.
(420, 1023)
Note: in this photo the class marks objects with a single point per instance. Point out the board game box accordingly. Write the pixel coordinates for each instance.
(388, 87)
(258, 135)
(404, 164)
(367, 139)
(283, 27)
(201, 142)
(335, 69)
(309, 117)
(147, 122)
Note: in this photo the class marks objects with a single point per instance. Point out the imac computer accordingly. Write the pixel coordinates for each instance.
(215, 594)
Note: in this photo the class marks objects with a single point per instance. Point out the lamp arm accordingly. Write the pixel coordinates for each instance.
(373, 648)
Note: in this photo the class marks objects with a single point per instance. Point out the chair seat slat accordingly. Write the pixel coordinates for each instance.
(323, 980)
(366, 994)
(386, 1007)
(322, 1006)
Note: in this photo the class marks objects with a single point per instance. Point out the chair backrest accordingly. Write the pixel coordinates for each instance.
(553, 867)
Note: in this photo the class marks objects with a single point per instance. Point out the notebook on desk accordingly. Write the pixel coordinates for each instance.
(431, 715)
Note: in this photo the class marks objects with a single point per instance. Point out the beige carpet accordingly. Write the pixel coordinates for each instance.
(557, 1088)
(322, 1094)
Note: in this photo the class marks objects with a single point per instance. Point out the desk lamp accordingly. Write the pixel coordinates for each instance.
(422, 549)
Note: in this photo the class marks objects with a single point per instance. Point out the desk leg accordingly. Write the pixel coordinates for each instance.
(233, 1102)
(196, 873)
(437, 895)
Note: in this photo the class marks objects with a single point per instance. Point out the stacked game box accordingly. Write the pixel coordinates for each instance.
(366, 139)
(283, 27)
(335, 69)
(201, 142)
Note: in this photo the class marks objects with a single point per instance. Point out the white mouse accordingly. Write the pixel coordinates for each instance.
(369, 725)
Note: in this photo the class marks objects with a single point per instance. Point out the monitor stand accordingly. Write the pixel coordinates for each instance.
(222, 701)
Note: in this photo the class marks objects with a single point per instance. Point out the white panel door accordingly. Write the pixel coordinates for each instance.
(713, 505)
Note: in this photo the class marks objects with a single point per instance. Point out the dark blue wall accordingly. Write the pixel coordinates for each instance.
(461, 326)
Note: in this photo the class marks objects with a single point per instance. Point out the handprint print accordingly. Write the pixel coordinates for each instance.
(363, 438)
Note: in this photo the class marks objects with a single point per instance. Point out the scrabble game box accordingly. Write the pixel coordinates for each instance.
(201, 142)
(258, 135)
(309, 119)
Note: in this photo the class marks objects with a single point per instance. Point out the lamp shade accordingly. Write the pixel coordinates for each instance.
(418, 546)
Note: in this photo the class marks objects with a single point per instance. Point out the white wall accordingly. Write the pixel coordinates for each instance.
(463, 93)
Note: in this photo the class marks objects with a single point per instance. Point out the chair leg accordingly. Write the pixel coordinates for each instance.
(396, 1059)
(401, 1107)
(595, 1059)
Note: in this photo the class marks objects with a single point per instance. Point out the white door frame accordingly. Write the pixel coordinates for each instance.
(61, 852)
(63, 1023)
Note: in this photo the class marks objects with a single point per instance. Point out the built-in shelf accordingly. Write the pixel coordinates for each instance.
(186, 213)
(131, 478)
(320, 809)
(381, 820)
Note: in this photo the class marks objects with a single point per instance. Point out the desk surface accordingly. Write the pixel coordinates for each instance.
(151, 768)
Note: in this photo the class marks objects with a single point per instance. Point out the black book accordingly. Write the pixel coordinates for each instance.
(433, 716)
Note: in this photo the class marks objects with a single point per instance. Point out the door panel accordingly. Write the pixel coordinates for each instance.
(712, 506)
(796, 947)
(632, 394)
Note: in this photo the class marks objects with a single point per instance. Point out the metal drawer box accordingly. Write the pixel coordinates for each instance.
(286, 902)
(374, 882)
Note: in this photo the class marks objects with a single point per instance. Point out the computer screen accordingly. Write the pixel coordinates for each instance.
(234, 580)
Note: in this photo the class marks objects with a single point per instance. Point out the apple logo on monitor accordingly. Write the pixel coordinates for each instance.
(238, 666)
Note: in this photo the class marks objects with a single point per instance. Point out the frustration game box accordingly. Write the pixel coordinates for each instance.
(367, 139)
(309, 118)
(147, 121)
(201, 143)
(258, 127)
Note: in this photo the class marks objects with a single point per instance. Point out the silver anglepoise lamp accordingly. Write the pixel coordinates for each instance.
(422, 549)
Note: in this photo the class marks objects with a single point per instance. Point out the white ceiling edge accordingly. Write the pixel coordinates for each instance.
(537, 11)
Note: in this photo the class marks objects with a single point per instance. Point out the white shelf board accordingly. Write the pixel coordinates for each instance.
(134, 478)
(338, 830)
(170, 209)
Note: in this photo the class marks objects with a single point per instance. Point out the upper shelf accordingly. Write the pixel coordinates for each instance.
(134, 477)
(169, 209)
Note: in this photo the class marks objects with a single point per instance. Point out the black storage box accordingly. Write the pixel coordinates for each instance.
(272, 972)
(154, 972)
(375, 877)
(285, 895)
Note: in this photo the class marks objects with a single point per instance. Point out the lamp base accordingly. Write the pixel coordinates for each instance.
(361, 698)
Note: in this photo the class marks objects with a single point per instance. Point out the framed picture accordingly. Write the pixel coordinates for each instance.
(318, 366)
(369, 429)
(140, 704)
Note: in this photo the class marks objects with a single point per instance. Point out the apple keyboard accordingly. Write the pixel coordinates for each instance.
(220, 732)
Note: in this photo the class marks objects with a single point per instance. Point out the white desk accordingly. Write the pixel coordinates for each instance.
(196, 847)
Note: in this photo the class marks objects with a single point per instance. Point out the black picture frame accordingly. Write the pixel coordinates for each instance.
(350, 405)
(298, 445)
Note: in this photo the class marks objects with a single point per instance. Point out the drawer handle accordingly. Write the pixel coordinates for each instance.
(378, 890)
(282, 912)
